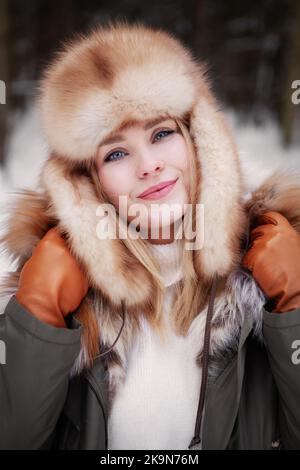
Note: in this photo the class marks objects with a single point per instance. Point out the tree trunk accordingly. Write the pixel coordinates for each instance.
(292, 72)
(4, 73)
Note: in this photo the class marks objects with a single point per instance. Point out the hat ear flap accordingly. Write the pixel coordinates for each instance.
(75, 204)
(219, 191)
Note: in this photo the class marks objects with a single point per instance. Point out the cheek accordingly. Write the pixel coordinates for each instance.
(178, 157)
(115, 180)
(177, 154)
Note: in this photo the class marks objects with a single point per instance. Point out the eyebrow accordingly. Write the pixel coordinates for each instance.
(119, 138)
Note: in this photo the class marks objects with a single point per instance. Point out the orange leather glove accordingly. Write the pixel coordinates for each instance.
(51, 283)
(274, 260)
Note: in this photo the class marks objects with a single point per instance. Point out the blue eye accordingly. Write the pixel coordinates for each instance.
(110, 156)
(109, 159)
(162, 132)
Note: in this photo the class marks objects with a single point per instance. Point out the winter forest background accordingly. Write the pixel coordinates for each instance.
(252, 49)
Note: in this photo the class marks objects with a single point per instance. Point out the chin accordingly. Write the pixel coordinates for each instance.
(163, 218)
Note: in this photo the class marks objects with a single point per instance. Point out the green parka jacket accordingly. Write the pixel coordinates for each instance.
(252, 404)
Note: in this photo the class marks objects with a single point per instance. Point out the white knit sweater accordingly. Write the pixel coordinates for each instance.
(157, 405)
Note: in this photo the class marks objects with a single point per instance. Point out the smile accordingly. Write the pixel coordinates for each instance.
(161, 192)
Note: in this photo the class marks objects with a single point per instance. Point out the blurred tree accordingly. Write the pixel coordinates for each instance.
(291, 72)
(4, 72)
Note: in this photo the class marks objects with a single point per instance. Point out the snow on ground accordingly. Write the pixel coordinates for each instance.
(260, 150)
(26, 150)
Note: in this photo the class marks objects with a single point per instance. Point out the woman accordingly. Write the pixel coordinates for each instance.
(135, 322)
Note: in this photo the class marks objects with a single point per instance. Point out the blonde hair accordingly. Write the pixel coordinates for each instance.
(189, 294)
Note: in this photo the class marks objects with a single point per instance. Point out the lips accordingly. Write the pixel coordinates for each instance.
(156, 188)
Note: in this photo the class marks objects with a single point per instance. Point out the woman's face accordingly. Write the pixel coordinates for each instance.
(144, 154)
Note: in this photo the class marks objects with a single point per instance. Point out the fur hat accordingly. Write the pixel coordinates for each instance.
(124, 72)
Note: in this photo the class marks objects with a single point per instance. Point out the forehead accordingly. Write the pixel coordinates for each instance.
(145, 124)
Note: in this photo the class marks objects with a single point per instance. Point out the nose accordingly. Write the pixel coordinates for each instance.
(150, 167)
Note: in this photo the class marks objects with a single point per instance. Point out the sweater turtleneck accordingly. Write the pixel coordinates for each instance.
(156, 406)
(169, 257)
